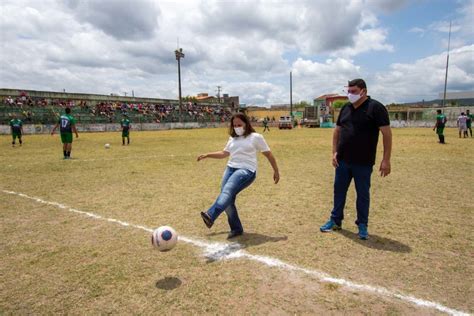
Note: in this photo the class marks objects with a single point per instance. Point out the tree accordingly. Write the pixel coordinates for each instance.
(338, 104)
(301, 104)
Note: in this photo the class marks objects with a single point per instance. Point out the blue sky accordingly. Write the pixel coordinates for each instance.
(247, 47)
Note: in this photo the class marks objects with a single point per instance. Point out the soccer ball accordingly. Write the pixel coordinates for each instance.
(164, 238)
(107, 146)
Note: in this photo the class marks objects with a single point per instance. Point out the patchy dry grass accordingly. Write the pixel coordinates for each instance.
(421, 226)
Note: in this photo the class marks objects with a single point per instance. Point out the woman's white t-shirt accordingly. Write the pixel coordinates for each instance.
(243, 151)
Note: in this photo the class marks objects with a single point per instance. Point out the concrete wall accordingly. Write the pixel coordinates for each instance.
(403, 123)
(45, 129)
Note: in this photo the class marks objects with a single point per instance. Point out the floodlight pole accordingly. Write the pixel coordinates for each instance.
(179, 54)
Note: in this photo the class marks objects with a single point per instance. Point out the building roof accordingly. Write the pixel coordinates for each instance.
(329, 96)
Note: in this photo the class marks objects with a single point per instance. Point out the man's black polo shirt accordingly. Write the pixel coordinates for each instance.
(359, 131)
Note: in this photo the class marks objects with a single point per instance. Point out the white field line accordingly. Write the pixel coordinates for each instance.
(227, 251)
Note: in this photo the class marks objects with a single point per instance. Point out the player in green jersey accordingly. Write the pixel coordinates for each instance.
(67, 125)
(439, 126)
(470, 117)
(126, 126)
(16, 126)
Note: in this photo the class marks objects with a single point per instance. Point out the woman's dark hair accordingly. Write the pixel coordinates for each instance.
(248, 127)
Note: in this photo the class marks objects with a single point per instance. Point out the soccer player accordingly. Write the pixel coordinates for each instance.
(354, 148)
(16, 126)
(67, 125)
(126, 126)
(439, 126)
(242, 148)
(469, 121)
(462, 124)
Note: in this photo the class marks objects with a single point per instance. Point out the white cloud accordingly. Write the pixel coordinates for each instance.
(122, 19)
(418, 30)
(424, 79)
(312, 79)
(248, 47)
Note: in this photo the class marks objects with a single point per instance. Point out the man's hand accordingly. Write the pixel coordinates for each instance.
(335, 163)
(201, 157)
(384, 168)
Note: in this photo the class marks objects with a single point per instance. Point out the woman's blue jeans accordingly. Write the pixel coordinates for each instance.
(233, 181)
(344, 174)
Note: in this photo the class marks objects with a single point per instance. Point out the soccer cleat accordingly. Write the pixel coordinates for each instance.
(363, 233)
(329, 226)
(207, 220)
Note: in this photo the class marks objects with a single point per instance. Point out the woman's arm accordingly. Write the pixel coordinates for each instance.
(216, 155)
(272, 160)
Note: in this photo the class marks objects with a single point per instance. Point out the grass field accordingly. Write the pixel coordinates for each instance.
(55, 261)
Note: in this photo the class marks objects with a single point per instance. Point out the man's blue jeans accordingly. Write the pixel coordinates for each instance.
(233, 181)
(344, 174)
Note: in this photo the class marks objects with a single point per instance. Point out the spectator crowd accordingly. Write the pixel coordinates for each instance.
(110, 110)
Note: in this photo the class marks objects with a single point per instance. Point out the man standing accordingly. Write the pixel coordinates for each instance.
(439, 126)
(355, 141)
(125, 123)
(16, 126)
(462, 124)
(67, 125)
(265, 125)
(469, 121)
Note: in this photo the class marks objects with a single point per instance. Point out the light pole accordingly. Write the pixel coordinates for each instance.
(179, 54)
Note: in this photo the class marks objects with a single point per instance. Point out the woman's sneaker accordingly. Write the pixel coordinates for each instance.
(207, 220)
(363, 233)
(329, 226)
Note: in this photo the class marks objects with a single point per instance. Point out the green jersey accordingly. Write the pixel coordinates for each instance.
(440, 120)
(469, 120)
(125, 124)
(66, 122)
(16, 125)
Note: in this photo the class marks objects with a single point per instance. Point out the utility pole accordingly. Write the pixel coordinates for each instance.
(219, 94)
(291, 96)
(179, 54)
(447, 64)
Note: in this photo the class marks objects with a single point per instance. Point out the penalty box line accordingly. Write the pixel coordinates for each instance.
(226, 251)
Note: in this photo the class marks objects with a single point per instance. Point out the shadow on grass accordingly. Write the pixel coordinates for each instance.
(251, 239)
(377, 242)
(168, 283)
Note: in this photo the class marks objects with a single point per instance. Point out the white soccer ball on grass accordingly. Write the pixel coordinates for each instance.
(164, 238)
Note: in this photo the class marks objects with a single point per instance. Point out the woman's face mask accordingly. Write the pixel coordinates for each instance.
(239, 130)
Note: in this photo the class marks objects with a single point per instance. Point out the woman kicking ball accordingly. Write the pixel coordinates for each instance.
(241, 170)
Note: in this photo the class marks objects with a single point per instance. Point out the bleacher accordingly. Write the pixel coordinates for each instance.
(40, 114)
